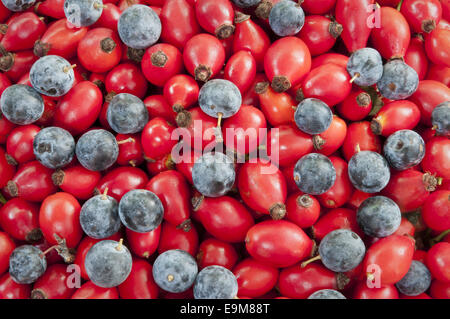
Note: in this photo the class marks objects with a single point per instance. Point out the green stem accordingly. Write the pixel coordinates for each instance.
(440, 236)
(399, 5)
(2, 199)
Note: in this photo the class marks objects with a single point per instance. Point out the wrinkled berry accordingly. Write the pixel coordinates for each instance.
(313, 116)
(52, 75)
(368, 171)
(404, 149)
(213, 174)
(314, 174)
(141, 210)
(399, 80)
(366, 64)
(440, 118)
(21, 104)
(127, 114)
(83, 13)
(215, 282)
(327, 294)
(175, 270)
(286, 18)
(139, 27)
(220, 96)
(379, 216)
(54, 147)
(416, 281)
(27, 264)
(99, 217)
(97, 150)
(341, 250)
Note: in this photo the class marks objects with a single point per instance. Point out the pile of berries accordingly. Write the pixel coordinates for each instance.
(225, 149)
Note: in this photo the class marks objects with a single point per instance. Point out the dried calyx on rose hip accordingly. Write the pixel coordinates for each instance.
(139, 27)
(365, 66)
(327, 294)
(379, 216)
(399, 80)
(99, 216)
(83, 13)
(440, 119)
(127, 114)
(54, 147)
(21, 104)
(108, 263)
(368, 171)
(52, 75)
(314, 174)
(313, 116)
(213, 174)
(404, 149)
(215, 282)
(175, 270)
(141, 210)
(97, 150)
(286, 18)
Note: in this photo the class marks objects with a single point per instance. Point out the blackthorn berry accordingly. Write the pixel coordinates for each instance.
(379, 216)
(313, 116)
(83, 13)
(327, 294)
(215, 282)
(97, 150)
(314, 174)
(220, 96)
(286, 18)
(127, 114)
(404, 149)
(54, 147)
(26, 264)
(440, 118)
(365, 66)
(18, 5)
(21, 104)
(246, 3)
(368, 171)
(416, 281)
(399, 80)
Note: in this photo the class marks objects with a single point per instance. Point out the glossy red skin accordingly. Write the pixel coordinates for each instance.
(329, 83)
(289, 57)
(420, 255)
(445, 9)
(339, 218)
(34, 182)
(79, 181)
(354, 15)
(179, 23)
(157, 139)
(251, 97)
(438, 261)
(300, 282)
(181, 90)
(277, 107)
(216, 252)
(359, 133)
(91, 54)
(9, 289)
(174, 238)
(318, 6)
(253, 180)
(49, 111)
(63, 40)
(406, 228)
(241, 70)
(417, 12)
(5, 126)
(212, 14)
(436, 211)
(91, 291)
(4, 13)
(126, 78)
(224, 217)
(60, 214)
(278, 243)
(437, 157)
(185, 166)
(288, 173)
(7, 246)
(254, 278)
(335, 58)
(362, 291)
(251, 37)
(109, 18)
(302, 216)
(4, 83)
(173, 191)
(23, 31)
(440, 290)
(393, 254)
(51, 8)
(6, 170)
(157, 106)
(144, 244)
(416, 57)
(158, 75)
(429, 94)
(139, 283)
(398, 115)
(248, 117)
(160, 165)
(342, 190)
(316, 34)
(333, 137)
(23, 60)
(79, 108)
(439, 73)
(130, 152)
(204, 49)
(290, 143)
(407, 189)
(53, 283)
(18, 218)
(19, 144)
(437, 46)
(121, 180)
